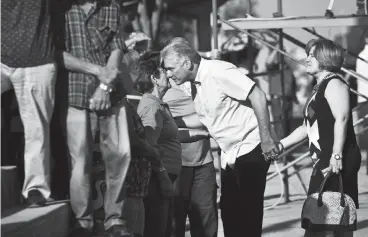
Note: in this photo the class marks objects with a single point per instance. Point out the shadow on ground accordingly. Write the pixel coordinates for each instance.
(281, 225)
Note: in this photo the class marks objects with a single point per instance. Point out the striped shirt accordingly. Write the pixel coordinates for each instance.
(92, 37)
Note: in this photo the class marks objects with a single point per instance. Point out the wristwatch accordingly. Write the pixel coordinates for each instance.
(336, 156)
(105, 88)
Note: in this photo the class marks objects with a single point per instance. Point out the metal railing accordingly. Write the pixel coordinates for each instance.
(348, 71)
(297, 42)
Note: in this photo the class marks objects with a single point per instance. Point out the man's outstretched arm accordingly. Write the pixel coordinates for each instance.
(259, 104)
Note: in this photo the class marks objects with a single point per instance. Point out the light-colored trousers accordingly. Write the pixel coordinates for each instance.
(81, 128)
(35, 92)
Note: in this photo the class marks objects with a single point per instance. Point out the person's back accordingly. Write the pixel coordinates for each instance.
(180, 104)
(153, 114)
(362, 68)
(26, 33)
(226, 112)
(362, 108)
(195, 189)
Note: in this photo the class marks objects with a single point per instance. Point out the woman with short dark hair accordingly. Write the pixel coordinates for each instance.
(162, 132)
(328, 125)
(329, 55)
(144, 157)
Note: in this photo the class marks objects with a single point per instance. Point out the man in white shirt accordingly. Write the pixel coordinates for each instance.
(362, 108)
(234, 111)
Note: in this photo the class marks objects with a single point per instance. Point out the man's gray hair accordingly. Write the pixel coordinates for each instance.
(180, 47)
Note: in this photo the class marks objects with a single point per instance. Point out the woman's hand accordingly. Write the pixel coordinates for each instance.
(166, 186)
(335, 165)
(134, 38)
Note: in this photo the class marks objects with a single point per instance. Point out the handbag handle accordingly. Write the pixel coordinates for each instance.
(322, 187)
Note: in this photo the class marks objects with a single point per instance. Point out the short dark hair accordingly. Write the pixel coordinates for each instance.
(147, 69)
(329, 54)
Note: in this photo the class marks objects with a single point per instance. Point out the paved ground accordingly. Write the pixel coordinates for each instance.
(284, 220)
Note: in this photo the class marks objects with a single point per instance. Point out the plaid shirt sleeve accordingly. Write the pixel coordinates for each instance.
(118, 41)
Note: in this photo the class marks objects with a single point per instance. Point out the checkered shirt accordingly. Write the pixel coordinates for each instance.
(92, 37)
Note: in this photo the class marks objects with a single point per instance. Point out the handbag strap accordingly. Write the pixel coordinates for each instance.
(322, 187)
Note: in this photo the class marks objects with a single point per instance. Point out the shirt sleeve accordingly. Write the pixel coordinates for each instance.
(118, 41)
(233, 82)
(179, 103)
(151, 117)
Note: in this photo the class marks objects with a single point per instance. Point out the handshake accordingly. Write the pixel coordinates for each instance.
(272, 152)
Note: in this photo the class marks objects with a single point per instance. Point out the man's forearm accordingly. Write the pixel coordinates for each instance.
(189, 121)
(105, 75)
(259, 105)
(114, 59)
(75, 64)
(192, 135)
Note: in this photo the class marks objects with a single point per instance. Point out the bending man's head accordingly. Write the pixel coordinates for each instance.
(180, 60)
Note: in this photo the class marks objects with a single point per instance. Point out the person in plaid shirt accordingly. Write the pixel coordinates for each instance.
(92, 52)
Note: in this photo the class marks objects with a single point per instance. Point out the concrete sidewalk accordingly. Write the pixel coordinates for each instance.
(284, 219)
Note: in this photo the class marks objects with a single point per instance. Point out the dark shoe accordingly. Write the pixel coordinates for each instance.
(118, 231)
(36, 199)
(80, 232)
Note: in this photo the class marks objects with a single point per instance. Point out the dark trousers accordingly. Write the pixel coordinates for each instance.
(195, 196)
(242, 193)
(158, 209)
(12, 142)
(6, 100)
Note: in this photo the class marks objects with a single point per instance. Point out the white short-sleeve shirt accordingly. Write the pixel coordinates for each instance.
(222, 105)
(362, 68)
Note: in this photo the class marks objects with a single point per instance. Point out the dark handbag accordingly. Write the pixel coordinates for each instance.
(329, 211)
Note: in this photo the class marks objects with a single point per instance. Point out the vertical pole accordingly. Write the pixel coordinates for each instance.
(215, 55)
(284, 102)
(250, 51)
(214, 30)
(279, 7)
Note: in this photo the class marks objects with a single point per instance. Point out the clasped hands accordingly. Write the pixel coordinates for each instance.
(271, 149)
(101, 98)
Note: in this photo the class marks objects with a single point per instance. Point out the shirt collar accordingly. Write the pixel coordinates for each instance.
(96, 5)
(197, 80)
(152, 97)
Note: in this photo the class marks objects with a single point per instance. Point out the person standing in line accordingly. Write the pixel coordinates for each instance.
(362, 107)
(145, 157)
(195, 189)
(162, 133)
(92, 55)
(234, 110)
(28, 66)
